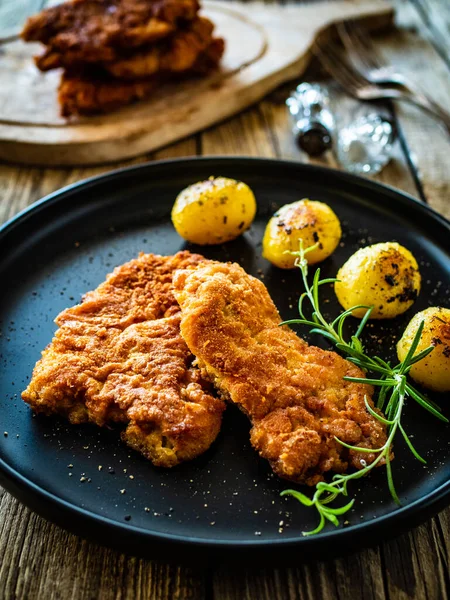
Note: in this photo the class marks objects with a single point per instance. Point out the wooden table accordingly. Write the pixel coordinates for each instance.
(40, 561)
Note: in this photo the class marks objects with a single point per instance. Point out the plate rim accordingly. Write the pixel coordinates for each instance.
(397, 520)
(346, 176)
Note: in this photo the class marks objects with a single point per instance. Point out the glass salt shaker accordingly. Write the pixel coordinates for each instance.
(313, 122)
(364, 146)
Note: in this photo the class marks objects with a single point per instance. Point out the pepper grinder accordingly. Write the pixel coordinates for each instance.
(313, 121)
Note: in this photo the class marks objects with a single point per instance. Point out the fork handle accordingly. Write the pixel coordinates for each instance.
(415, 96)
(431, 107)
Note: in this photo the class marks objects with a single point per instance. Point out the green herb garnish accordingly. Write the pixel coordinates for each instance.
(394, 389)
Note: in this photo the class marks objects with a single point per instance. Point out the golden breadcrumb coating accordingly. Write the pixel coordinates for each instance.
(178, 54)
(83, 94)
(90, 93)
(96, 29)
(174, 54)
(209, 59)
(119, 357)
(294, 394)
(115, 52)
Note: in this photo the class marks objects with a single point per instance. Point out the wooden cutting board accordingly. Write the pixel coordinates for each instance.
(266, 45)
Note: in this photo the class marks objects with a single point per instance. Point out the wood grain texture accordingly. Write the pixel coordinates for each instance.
(358, 577)
(397, 569)
(40, 561)
(264, 47)
(51, 564)
(427, 142)
(435, 24)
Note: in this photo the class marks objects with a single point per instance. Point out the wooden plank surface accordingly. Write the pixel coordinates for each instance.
(39, 560)
(435, 16)
(264, 47)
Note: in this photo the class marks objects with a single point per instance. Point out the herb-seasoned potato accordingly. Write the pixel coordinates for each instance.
(308, 220)
(433, 371)
(385, 276)
(214, 211)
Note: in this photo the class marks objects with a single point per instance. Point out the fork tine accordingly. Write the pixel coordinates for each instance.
(329, 62)
(366, 39)
(356, 50)
(365, 44)
(338, 68)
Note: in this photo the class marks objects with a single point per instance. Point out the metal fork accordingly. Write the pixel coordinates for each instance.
(359, 86)
(366, 59)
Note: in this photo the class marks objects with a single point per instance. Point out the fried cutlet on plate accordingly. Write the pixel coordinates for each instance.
(118, 357)
(96, 30)
(294, 394)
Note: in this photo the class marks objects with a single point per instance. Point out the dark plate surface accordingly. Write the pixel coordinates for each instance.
(227, 501)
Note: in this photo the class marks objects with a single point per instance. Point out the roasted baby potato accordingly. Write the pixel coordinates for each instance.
(214, 211)
(308, 220)
(385, 276)
(433, 371)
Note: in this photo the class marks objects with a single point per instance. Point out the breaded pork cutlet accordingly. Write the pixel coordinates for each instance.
(294, 394)
(209, 59)
(115, 52)
(91, 93)
(176, 53)
(98, 30)
(118, 357)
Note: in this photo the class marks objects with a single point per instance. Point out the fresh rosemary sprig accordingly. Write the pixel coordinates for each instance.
(394, 389)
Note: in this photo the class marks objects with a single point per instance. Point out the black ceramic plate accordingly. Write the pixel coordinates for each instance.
(224, 505)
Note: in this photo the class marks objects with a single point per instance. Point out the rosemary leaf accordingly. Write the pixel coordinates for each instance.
(393, 391)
